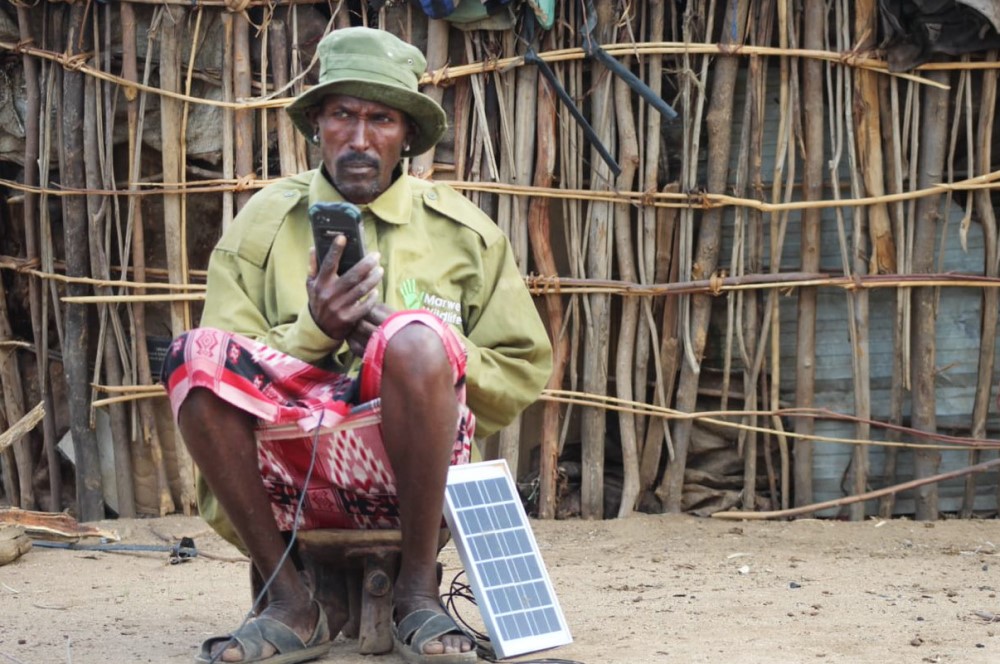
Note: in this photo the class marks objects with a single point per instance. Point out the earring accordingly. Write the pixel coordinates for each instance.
(406, 147)
(316, 137)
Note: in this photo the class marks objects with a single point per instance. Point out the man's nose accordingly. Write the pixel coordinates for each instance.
(359, 135)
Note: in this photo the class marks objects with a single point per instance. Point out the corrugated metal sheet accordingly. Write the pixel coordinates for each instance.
(958, 340)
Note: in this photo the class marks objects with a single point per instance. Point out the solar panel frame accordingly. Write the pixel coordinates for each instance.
(500, 555)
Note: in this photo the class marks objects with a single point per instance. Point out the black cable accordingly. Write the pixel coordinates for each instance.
(288, 549)
(461, 590)
(531, 57)
(179, 552)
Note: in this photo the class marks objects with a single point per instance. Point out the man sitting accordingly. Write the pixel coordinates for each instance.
(433, 331)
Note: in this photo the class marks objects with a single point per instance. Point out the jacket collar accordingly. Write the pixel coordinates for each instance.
(393, 206)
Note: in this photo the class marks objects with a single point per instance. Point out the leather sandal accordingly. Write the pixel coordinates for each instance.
(421, 627)
(289, 648)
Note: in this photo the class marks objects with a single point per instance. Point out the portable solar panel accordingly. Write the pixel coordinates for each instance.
(501, 557)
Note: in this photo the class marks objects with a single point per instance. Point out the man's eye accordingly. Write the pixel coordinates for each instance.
(340, 114)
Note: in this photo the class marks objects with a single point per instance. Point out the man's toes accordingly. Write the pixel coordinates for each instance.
(449, 643)
(434, 648)
(234, 653)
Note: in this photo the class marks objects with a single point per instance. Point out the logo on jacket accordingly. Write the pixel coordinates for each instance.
(447, 310)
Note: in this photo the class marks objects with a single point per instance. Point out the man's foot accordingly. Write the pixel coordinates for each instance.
(296, 634)
(424, 631)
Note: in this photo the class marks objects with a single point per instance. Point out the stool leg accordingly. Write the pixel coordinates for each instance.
(376, 603)
(352, 629)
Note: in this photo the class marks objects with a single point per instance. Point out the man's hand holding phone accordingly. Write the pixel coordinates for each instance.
(339, 298)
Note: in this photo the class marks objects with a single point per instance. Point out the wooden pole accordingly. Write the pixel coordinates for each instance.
(147, 418)
(693, 100)
(228, 140)
(123, 345)
(598, 265)
(672, 252)
(187, 467)
(991, 298)
(628, 159)
(778, 221)
(31, 146)
(97, 214)
(21, 427)
(718, 123)
(90, 502)
(509, 104)
(802, 510)
(751, 325)
(571, 175)
(297, 66)
(171, 112)
(892, 149)
(172, 132)
(262, 46)
(813, 31)
(523, 117)
(242, 91)
(646, 334)
(278, 43)
(50, 76)
(8, 470)
(883, 250)
(933, 133)
(185, 464)
(342, 16)
(762, 324)
(463, 91)
(422, 166)
(13, 399)
(541, 244)
(667, 269)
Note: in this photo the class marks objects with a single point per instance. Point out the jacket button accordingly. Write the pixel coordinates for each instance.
(432, 196)
(289, 194)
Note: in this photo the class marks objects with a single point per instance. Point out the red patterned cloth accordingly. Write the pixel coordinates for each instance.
(352, 483)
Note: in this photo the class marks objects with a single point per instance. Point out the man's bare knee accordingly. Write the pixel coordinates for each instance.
(416, 352)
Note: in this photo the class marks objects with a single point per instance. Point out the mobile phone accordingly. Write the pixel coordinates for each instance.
(331, 219)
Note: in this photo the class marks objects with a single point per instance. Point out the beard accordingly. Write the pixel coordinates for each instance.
(354, 188)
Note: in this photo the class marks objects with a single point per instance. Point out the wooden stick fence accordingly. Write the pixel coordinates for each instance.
(664, 287)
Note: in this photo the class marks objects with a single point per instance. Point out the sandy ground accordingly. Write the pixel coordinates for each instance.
(642, 589)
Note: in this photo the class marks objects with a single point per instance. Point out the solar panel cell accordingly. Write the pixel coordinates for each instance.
(498, 601)
(533, 570)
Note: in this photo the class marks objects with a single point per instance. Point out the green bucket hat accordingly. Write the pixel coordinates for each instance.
(376, 66)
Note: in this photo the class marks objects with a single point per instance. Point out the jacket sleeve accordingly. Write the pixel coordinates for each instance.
(234, 302)
(509, 353)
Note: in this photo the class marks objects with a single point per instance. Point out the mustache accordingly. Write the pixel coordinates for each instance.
(358, 159)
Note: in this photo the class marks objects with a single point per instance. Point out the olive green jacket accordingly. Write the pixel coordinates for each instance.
(440, 253)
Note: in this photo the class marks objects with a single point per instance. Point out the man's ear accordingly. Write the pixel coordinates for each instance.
(311, 114)
(411, 135)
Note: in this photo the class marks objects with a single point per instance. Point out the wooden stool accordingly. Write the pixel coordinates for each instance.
(371, 560)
